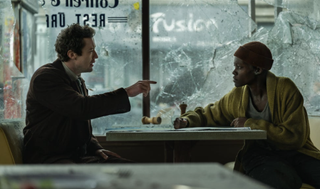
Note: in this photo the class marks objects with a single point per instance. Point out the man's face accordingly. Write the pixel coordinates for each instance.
(84, 63)
(243, 73)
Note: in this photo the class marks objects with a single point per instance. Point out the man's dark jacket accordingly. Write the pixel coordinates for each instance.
(58, 116)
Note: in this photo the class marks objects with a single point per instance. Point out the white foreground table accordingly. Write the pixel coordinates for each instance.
(129, 176)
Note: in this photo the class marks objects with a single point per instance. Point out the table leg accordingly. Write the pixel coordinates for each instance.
(182, 151)
(168, 151)
(178, 151)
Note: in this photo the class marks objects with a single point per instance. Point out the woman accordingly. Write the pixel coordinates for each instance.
(261, 100)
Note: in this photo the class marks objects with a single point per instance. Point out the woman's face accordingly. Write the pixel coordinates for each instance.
(243, 73)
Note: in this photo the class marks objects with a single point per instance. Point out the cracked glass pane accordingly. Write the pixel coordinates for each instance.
(295, 43)
(310, 8)
(195, 75)
(190, 54)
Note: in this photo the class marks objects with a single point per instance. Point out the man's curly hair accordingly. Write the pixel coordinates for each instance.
(71, 38)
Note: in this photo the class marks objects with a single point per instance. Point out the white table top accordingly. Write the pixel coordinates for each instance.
(142, 176)
(192, 134)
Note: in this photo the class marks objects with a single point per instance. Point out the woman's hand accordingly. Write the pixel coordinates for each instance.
(238, 122)
(180, 123)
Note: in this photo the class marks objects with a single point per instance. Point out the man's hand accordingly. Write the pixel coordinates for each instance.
(140, 87)
(104, 153)
(180, 123)
(238, 122)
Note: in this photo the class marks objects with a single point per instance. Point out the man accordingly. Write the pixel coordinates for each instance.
(261, 100)
(58, 127)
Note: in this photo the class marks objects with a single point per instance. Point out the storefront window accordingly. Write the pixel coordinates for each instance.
(192, 46)
(191, 49)
(186, 38)
(118, 43)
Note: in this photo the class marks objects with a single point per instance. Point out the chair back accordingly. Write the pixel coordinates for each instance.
(6, 156)
(11, 142)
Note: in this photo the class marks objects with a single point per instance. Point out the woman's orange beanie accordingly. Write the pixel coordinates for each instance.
(255, 54)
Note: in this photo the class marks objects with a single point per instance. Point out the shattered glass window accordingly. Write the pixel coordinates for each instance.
(194, 62)
(191, 49)
(186, 41)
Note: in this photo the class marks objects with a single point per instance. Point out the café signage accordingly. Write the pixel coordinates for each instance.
(85, 3)
(58, 19)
